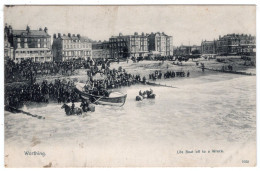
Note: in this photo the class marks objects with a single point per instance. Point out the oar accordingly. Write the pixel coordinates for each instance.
(98, 99)
(95, 100)
(27, 113)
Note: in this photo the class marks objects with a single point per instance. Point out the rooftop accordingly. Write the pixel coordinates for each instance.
(76, 37)
(30, 33)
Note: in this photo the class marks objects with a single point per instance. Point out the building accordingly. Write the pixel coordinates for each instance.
(100, 50)
(230, 44)
(160, 43)
(187, 50)
(69, 47)
(208, 48)
(236, 44)
(8, 49)
(30, 44)
(123, 46)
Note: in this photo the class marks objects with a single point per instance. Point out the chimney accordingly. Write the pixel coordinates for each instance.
(142, 33)
(78, 35)
(54, 36)
(64, 34)
(73, 35)
(59, 35)
(136, 34)
(120, 34)
(69, 35)
(46, 30)
(40, 29)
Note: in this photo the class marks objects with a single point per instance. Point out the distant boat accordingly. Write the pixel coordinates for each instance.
(114, 99)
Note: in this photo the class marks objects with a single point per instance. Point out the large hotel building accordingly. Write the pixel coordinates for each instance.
(69, 47)
(230, 44)
(29, 44)
(123, 46)
(160, 43)
(141, 45)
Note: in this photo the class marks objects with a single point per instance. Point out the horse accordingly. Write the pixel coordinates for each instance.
(151, 96)
(69, 111)
(138, 98)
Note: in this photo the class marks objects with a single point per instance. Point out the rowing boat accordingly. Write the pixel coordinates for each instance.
(115, 98)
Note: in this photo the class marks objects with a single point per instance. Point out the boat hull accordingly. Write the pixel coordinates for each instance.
(115, 101)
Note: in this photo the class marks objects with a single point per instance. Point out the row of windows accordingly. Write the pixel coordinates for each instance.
(77, 46)
(33, 39)
(71, 41)
(76, 53)
(31, 46)
(33, 52)
(127, 39)
(139, 49)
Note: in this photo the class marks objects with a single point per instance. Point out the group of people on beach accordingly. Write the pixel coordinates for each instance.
(59, 91)
(28, 69)
(227, 68)
(64, 91)
(169, 74)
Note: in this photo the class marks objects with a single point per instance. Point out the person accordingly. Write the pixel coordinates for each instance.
(72, 106)
(203, 67)
(140, 93)
(84, 105)
(188, 73)
(144, 80)
(151, 90)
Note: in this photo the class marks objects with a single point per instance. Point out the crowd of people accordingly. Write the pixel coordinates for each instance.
(114, 78)
(29, 70)
(63, 91)
(227, 68)
(60, 91)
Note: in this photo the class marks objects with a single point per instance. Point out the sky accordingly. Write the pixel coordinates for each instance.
(188, 25)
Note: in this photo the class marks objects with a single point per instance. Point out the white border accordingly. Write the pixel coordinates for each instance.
(119, 2)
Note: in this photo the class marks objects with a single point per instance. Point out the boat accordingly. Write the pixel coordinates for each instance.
(114, 99)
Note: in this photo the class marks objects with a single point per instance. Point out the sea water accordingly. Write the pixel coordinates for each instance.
(211, 112)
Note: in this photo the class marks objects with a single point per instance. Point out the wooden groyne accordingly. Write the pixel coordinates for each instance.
(231, 72)
(157, 84)
(15, 110)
